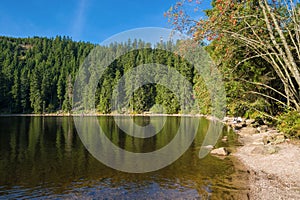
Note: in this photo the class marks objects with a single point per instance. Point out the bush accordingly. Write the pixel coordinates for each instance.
(289, 123)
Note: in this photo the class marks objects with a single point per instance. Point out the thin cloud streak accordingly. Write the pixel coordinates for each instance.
(79, 19)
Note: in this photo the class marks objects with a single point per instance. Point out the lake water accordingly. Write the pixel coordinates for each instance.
(43, 157)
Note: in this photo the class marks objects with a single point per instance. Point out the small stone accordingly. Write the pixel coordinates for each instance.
(237, 120)
(249, 121)
(258, 129)
(237, 126)
(258, 143)
(220, 151)
(226, 119)
(267, 140)
(272, 149)
(270, 177)
(249, 130)
(208, 147)
(262, 128)
(224, 139)
(279, 139)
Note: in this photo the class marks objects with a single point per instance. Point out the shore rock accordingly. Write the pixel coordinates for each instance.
(249, 121)
(237, 126)
(272, 149)
(220, 151)
(224, 139)
(208, 147)
(226, 119)
(262, 128)
(273, 139)
(267, 139)
(279, 139)
(249, 131)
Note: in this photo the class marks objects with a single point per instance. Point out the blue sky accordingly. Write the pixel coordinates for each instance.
(86, 20)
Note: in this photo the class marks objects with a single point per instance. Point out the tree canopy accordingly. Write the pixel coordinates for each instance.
(256, 45)
(37, 76)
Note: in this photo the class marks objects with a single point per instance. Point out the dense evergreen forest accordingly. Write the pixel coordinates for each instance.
(37, 76)
(34, 72)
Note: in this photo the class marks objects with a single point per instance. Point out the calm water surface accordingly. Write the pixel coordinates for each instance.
(43, 157)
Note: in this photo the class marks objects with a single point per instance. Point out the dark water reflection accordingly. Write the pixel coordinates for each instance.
(43, 157)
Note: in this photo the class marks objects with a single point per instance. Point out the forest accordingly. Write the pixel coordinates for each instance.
(35, 71)
(255, 45)
(38, 74)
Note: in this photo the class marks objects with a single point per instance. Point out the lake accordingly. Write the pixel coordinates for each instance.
(44, 157)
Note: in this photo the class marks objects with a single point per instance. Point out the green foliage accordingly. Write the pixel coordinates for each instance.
(202, 95)
(122, 77)
(33, 73)
(289, 123)
(37, 76)
(254, 46)
(157, 109)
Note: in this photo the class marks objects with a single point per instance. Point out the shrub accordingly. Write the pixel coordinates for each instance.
(289, 123)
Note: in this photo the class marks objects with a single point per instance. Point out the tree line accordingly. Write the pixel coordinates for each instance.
(34, 72)
(37, 75)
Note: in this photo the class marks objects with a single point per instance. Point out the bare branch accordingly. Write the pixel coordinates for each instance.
(266, 86)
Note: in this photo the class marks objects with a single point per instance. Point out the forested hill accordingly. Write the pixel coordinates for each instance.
(33, 72)
(37, 75)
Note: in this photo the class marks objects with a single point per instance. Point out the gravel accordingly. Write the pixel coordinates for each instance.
(273, 175)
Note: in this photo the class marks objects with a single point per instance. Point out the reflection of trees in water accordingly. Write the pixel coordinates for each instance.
(46, 151)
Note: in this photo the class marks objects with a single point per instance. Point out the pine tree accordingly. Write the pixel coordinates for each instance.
(67, 104)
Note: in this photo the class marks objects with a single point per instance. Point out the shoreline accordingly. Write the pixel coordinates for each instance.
(110, 114)
(271, 161)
